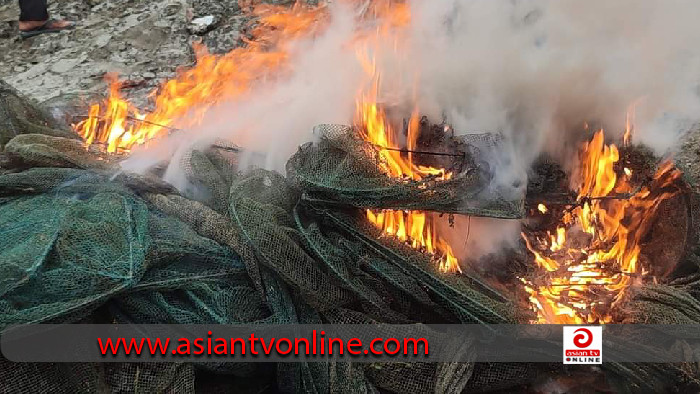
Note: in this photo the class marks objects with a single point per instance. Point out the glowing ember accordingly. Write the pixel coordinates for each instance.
(542, 208)
(182, 101)
(594, 254)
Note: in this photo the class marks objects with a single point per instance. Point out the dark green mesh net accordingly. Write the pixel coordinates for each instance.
(343, 169)
(81, 241)
(20, 115)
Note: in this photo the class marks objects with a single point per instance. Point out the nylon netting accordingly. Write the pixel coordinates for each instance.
(21, 115)
(83, 242)
(343, 169)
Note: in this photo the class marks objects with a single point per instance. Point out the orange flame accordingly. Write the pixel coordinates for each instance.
(418, 229)
(594, 255)
(183, 101)
(629, 121)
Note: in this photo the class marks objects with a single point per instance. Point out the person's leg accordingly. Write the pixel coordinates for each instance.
(34, 15)
(33, 11)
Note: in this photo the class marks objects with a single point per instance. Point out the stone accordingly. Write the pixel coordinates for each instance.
(219, 9)
(162, 23)
(51, 82)
(64, 65)
(102, 40)
(202, 24)
(34, 71)
(222, 39)
(7, 29)
(172, 9)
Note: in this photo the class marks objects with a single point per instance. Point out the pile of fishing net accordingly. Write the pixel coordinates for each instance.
(341, 168)
(83, 242)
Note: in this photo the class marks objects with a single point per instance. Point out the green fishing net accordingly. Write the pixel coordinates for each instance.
(83, 242)
(20, 115)
(341, 168)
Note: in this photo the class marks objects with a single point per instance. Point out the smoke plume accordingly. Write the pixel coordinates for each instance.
(533, 70)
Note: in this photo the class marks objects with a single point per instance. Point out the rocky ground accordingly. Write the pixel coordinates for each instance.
(144, 41)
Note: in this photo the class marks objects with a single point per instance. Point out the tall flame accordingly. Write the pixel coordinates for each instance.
(183, 101)
(594, 255)
(417, 228)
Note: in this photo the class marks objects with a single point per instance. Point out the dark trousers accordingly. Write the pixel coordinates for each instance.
(33, 10)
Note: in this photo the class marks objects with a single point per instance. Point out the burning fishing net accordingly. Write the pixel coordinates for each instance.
(348, 236)
(588, 274)
(118, 125)
(342, 168)
(252, 251)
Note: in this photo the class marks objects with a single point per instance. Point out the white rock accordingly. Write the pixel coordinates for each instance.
(102, 40)
(204, 20)
(63, 65)
(201, 25)
(34, 71)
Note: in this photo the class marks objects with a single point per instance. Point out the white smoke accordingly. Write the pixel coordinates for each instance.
(275, 118)
(537, 70)
(533, 70)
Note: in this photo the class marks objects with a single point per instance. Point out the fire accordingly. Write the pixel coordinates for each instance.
(594, 254)
(181, 102)
(377, 130)
(629, 126)
(417, 228)
(629, 121)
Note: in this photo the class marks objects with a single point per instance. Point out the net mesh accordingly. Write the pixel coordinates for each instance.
(20, 115)
(244, 248)
(343, 169)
